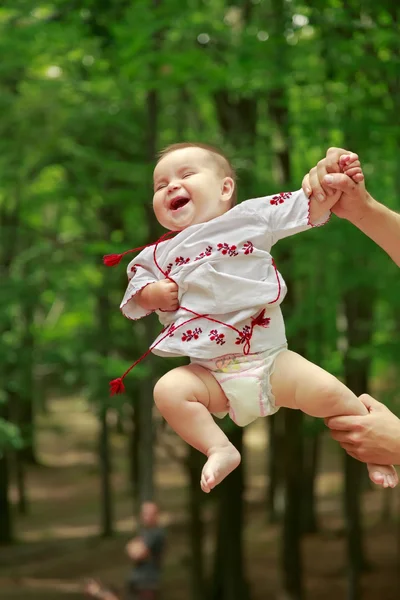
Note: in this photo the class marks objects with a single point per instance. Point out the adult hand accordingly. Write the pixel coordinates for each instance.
(327, 177)
(373, 438)
(136, 549)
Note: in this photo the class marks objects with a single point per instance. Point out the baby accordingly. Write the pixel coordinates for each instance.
(217, 291)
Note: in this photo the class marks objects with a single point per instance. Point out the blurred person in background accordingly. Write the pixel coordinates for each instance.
(145, 552)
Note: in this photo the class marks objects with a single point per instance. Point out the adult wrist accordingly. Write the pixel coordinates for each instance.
(369, 207)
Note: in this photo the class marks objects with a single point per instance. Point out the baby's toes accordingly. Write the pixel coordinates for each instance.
(377, 477)
(204, 486)
(393, 478)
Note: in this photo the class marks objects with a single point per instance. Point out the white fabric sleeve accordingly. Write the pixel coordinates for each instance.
(287, 213)
(141, 271)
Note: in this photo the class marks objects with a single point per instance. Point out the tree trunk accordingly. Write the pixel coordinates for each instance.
(133, 450)
(195, 462)
(291, 546)
(6, 529)
(22, 503)
(146, 442)
(26, 404)
(359, 315)
(275, 425)
(229, 581)
(311, 452)
(107, 519)
(103, 304)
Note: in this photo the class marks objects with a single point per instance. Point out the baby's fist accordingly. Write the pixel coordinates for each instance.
(166, 295)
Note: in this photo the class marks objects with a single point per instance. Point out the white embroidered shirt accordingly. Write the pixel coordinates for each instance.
(223, 269)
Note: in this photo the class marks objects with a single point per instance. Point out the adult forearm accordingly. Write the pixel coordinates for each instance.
(382, 225)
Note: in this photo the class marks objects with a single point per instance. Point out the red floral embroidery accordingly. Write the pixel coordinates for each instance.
(168, 269)
(133, 270)
(219, 338)
(171, 330)
(226, 249)
(244, 336)
(280, 198)
(181, 261)
(248, 248)
(207, 252)
(190, 334)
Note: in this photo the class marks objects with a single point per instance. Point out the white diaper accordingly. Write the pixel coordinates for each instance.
(246, 382)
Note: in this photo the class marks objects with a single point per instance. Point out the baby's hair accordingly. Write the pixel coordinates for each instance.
(219, 158)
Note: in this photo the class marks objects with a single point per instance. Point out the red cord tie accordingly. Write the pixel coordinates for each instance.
(261, 322)
(111, 260)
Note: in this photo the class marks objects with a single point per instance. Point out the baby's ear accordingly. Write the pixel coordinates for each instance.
(228, 187)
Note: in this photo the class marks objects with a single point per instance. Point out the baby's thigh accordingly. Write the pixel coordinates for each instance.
(192, 383)
(298, 383)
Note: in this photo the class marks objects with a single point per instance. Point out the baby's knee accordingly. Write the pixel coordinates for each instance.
(165, 389)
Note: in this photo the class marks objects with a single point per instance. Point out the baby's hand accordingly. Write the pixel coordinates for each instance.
(162, 295)
(350, 166)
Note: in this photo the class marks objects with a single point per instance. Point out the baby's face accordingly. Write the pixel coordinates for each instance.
(189, 189)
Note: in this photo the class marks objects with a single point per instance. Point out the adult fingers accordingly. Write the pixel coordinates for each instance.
(341, 182)
(343, 437)
(332, 158)
(315, 185)
(343, 423)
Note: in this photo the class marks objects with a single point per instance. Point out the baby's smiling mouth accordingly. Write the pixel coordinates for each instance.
(178, 202)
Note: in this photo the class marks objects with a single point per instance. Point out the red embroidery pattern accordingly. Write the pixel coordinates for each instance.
(171, 330)
(248, 248)
(168, 269)
(190, 334)
(218, 338)
(133, 270)
(207, 252)
(244, 335)
(181, 261)
(280, 198)
(226, 249)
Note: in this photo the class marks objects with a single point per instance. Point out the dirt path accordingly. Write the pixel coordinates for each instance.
(59, 544)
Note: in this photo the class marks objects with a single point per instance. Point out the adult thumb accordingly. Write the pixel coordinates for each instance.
(341, 182)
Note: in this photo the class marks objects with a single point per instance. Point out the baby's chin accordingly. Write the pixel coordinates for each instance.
(186, 221)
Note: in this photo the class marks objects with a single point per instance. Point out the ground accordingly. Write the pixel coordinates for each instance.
(59, 545)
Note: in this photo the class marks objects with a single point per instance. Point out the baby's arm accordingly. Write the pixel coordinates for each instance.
(146, 292)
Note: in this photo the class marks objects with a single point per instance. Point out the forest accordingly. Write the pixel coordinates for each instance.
(90, 92)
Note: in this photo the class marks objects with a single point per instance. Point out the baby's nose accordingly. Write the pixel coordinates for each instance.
(174, 185)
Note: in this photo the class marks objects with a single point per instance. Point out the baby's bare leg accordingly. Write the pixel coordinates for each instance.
(298, 383)
(185, 397)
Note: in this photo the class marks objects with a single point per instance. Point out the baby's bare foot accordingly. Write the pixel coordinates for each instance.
(384, 475)
(221, 461)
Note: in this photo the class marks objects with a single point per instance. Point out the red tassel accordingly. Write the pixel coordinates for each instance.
(117, 386)
(259, 320)
(110, 260)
